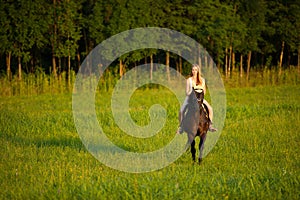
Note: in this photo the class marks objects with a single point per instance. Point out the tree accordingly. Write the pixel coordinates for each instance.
(65, 32)
(294, 10)
(25, 29)
(253, 16)
(68, 33)
(35, 32)
(6, 37)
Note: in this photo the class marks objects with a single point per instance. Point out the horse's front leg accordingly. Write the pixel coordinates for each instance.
(191, 137)
(201, 147)
(193, 150)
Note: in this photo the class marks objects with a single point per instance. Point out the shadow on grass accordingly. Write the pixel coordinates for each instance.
(57, 141)
(64, 141)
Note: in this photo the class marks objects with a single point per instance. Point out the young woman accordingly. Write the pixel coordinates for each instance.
(195, 81)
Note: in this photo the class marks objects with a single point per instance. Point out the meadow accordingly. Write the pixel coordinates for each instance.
(256, 157)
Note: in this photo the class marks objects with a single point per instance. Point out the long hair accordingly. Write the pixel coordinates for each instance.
(199, 77)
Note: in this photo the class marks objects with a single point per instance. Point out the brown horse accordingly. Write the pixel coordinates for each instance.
(196, 122)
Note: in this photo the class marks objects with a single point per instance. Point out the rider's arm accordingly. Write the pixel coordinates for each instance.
(188, 88)
(204, 88)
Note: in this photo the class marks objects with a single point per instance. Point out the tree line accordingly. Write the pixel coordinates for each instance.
(56, 35)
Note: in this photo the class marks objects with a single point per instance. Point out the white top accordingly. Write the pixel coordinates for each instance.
(191, 84)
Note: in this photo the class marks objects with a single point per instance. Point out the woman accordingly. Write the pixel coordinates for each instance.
(195, 81)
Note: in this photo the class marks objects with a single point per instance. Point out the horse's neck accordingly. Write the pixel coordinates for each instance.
(200, 103)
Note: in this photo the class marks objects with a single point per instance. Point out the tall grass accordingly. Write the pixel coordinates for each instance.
(256, 157)
(42, 83)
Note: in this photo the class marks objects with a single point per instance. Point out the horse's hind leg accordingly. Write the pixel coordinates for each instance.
(193, 150)
(201, 147)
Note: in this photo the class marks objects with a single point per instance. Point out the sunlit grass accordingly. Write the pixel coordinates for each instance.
(256, 156)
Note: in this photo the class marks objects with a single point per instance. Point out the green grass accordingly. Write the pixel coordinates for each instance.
(256, 157)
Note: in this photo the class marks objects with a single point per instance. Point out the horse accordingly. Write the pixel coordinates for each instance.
(196, 122)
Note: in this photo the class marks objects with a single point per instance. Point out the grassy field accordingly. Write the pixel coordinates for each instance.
(256, 157)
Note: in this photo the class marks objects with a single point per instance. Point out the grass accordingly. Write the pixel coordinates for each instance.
(256, 157)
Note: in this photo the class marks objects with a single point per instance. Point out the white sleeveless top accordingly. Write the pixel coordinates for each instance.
(197, 88)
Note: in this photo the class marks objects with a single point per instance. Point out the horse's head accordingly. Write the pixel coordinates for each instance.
(199, 95)
(196, 98)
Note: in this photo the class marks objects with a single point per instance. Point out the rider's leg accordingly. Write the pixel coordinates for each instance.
(181, 114)
(211, 115)
(210, 110)
(182, 110)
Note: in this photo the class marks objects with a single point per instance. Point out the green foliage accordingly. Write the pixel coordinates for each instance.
(36, 31)
(68, 31)
(22, 28)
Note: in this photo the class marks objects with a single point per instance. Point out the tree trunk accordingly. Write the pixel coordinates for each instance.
(241, 66)
(200, 62)
(8, 70)
(59, 69)
(19, 68)
(69, 71)
(32, 64)
(248, 63)
(211, 62)
(299, 59)
(229, 59)
(233, 61)
(54, 41)
(288, 57)
(168, 65)
(199, 58)
(54, 70)
(151, 66)
(121, 68)
(226, 63)
(78, 59)
(281, 57)
(180, 65)
(205, 59)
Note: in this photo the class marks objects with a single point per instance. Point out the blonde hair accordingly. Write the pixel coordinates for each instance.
(199, 77)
